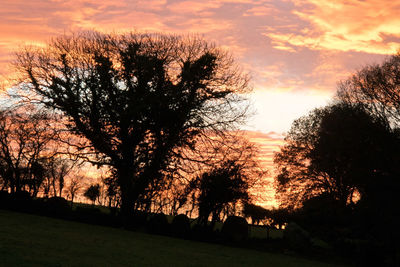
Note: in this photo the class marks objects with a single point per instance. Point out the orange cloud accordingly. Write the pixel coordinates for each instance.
(263, 10)
(371, 26)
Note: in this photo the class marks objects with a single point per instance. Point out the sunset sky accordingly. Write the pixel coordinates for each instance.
(295, 50)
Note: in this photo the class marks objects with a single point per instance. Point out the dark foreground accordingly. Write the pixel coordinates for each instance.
(30, 240)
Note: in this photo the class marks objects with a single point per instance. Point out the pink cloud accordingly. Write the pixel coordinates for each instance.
(264, 10)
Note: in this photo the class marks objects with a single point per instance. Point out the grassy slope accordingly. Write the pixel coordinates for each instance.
(28, 240)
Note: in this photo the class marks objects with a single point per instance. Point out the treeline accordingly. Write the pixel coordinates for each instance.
(158, 114)
(37, 159)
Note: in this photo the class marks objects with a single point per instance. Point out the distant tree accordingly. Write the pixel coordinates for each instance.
(27, 139)
(280, 217)
(222, 188)
(93, 193)
(37, 173)
(112, 191)
(73, 188)
(139, 99)
(338, 150)
(55, 170)
(58, 169)
(256, 213)
(219, 188)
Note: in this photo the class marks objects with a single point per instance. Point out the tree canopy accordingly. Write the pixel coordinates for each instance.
(221, 187)
(139, 99)
(377, 88)
(93, 193)
(337, 151)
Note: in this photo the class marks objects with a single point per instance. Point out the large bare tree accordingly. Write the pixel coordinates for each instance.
(138, 99)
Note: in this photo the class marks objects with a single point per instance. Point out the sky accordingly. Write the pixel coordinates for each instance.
(294, 50)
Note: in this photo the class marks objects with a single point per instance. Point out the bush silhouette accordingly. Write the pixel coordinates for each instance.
(181, 226)
(203, 232)
(21, 201)
(4, 199)
(158, 224)
(90, 215)
(56, 206)
(235, 229)
(22, 196)
(296, 237)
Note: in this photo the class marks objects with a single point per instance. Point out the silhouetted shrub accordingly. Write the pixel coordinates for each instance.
(113, 211)
(136, 221)
(158, 224)
(235, 229)
(21, 201)
(4, 199)
(87, 211)
(57, 206)
(139, 218)
(202, 232)
(93, 215)
(296, 237)
(88, 215)
(22, 195)
(181, 226)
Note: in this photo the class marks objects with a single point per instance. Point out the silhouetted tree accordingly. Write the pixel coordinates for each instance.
(223, 186)
(338, 150)
(183, 192)
(55, 170)
(377, 88)
(73, 188)
(58, 169)
(255, 212)
(112, 191)
(280, 217)
(93, 193)
(138, 98)
(27, 139)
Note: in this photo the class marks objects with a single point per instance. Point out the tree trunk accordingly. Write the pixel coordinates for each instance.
(61, 186)
(127, 196)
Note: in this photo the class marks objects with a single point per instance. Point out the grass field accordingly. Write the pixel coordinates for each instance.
(29, 240)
